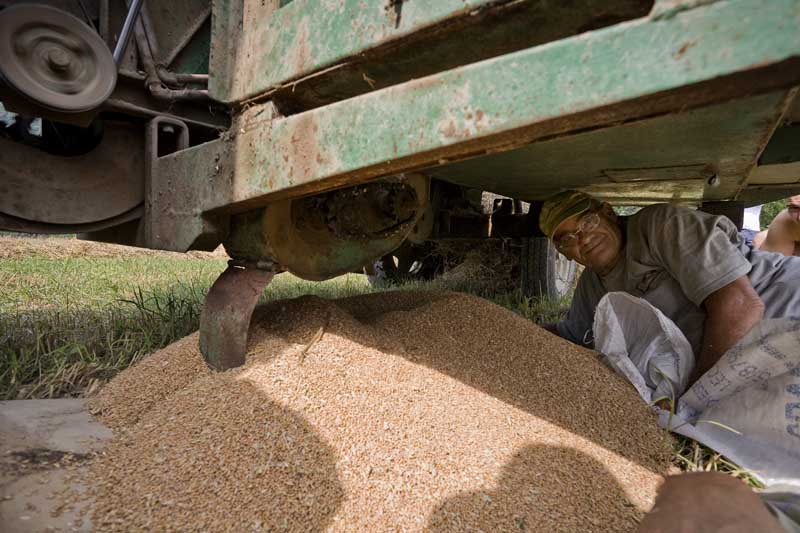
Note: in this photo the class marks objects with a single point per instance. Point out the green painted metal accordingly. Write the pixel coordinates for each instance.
(328, 51)
(500, 28)
(306, 35)
(667, 157)
(226, 26)
(669, 8)
(697, 57)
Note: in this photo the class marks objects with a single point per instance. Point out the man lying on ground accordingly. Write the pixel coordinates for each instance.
(690, 265)
(783, 234)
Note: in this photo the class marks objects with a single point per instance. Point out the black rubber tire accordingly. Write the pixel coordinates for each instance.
(545, 274)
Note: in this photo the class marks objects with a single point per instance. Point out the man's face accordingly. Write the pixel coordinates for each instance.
(598, 248)
(793, 207)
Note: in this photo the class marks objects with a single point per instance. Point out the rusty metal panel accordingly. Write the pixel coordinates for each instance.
(696, 57)
(227, 310)
(306, 35)
(670, 156)
(595, 79)
(184, 188)
(354, 46)
(163, 201)
(498, 29)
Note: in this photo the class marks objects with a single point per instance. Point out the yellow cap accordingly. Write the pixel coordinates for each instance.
(560, 207)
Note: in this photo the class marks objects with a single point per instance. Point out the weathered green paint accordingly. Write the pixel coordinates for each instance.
(226, 31)
(501, 29)
(306, 35)
(669, 8)
(173, 25)
(360, 45)
(185, 184)
(626, 72)
(666, 157)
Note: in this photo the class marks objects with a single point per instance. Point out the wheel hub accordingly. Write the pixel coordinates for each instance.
(54, 59)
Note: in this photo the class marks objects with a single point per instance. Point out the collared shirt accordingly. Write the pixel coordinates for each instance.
(675, 258)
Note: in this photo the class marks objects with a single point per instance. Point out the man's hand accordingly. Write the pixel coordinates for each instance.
(708, 501)
(730, 313)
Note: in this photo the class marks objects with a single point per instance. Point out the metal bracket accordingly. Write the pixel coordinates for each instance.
(225, 319)
(158, 196)
(174, 217)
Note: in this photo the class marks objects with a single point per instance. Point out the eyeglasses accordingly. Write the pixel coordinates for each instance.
(587, 223)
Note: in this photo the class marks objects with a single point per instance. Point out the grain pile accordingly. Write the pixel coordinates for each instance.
(433, 411)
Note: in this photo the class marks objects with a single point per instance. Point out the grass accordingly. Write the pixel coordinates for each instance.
(770, 211)
(691, 456)
(67, 325)
(94, 282)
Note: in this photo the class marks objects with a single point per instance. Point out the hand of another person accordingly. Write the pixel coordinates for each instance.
(708, 502)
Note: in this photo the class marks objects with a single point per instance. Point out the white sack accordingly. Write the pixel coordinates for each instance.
(753, 389)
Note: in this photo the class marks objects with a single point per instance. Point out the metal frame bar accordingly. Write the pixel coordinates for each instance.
(157, 187)
(127, 30)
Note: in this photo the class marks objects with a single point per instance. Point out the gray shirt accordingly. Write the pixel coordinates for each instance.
(675, 258)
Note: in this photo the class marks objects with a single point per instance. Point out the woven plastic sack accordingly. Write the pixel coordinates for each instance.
(747, 406)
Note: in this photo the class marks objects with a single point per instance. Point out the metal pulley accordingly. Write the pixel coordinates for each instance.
(54, 59)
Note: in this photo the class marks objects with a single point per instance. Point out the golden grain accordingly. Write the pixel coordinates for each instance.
(393, 411)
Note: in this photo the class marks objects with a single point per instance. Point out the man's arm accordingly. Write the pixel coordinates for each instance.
(731, 312)
(782, 235)
(578, 320)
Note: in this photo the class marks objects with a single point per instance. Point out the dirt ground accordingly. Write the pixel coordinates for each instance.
(63, 248)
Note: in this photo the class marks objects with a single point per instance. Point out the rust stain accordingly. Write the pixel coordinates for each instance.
(449, 130)
(426, 83)
(301, 57)
(683, 49)
(304, 155)
(759, 64)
